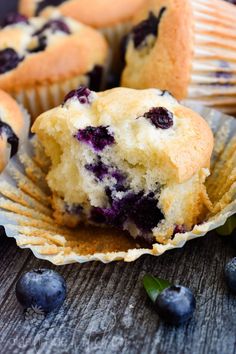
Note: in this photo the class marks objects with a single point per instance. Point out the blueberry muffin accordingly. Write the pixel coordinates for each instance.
(41, 58)
(14, 128)
(186, 47)
(132, 159)
(113, 18)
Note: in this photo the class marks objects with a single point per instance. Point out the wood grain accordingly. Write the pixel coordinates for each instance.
(107, 311)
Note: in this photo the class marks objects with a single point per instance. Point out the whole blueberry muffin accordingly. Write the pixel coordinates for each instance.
(14, 128)
(132, 159)
(41, 58)
(113, 18)
(186, 47)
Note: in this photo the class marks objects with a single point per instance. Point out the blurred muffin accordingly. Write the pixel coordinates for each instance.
(133, 159)
(186, 47)
(113, 18)
(14, 127)
(41, 58)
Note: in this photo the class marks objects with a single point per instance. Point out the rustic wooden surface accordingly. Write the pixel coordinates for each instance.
(107, 311)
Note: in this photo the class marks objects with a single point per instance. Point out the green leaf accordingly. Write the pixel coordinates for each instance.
(154, 286)
(228, 227)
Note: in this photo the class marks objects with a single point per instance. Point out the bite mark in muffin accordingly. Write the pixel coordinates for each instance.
(139, 175)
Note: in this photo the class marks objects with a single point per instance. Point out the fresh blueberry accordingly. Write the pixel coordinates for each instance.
(9, 59)
(44, 3)
(43, 288)
(147, 27)
(12, 138)
(160, 117)
(54, 26)
(96, 137)
(230, 274)
(82, 94)
(14, 18)
(175, 304)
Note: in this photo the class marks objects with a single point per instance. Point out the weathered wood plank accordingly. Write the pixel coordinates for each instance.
(107, 310)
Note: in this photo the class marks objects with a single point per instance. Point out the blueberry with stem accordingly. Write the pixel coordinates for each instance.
(175, 304)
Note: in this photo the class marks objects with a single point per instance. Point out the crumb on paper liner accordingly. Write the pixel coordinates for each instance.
(27, 216)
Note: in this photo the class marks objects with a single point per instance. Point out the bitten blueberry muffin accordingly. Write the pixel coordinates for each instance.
(186, 47)
(14, 128)
(42, 58)
(132, 159)
(112, 18)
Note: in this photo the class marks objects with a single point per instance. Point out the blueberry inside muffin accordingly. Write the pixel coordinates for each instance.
(14, 126)
(132, 159)
(44, 3)
(12, 138)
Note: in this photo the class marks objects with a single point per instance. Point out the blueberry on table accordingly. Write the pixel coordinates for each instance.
(43, 288)
(175, 304)
(230, 274)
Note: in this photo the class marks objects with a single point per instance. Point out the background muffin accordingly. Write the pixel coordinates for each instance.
(133, 159)
(41, 58)
(113, 18)
(186, 47)
(14, 128)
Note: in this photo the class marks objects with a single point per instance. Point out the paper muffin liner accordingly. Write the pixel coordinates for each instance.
(42, 98)
(26, 214)
(114, 35)
(213, 75)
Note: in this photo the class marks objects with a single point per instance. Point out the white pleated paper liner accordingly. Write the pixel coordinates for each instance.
(213, 73)
(26, 214)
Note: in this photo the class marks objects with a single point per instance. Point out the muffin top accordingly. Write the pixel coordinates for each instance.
(13, 127)
(95, 13)
(148, 127)
(39, 51)
(158, 49)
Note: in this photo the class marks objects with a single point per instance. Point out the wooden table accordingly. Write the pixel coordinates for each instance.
(107, 310)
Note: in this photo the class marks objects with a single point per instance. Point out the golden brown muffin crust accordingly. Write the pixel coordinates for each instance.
(183, 153)
(169, 61)
(69, 56)
(95, 13)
